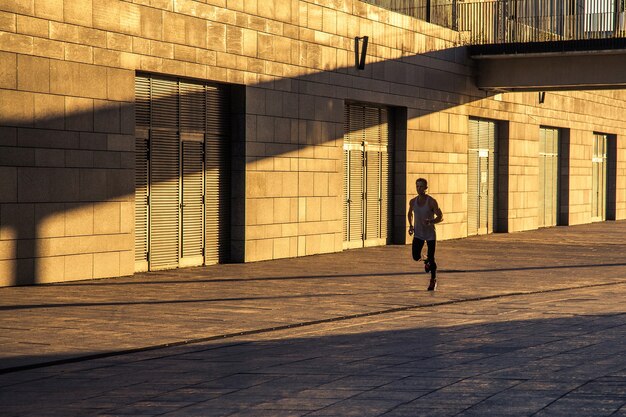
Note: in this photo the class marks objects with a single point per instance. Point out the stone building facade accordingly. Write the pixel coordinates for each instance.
(267, 112)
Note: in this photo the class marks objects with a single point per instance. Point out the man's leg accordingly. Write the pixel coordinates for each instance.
(432, 265)
(417, 246)
(432, 245)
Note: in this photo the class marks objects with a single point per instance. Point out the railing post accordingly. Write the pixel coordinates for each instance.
(616, 10)
(454, 17)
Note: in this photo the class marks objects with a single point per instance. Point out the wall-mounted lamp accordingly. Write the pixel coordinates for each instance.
(360, 51)
(542, 97)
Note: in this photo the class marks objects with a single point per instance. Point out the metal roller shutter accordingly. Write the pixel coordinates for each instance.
(372, 175)
(216, 181)
(372, 197)
(142, 119)
(366, 180)
(217, 204)
(484, 208)
(192, 208)
(481, 176)
(164, 103)
(346, 193)
(164, 199)
(598, 191)
(142, 102)
(548, 176)
(385, 199)
(192, 127)
(164, 174)
(490, 141)
(192, 107)
(184, 179)
(541, 192)
(377, 176)
(353, 174)
(472, 179)
(355, 198)
(141, 204)
(554, 184)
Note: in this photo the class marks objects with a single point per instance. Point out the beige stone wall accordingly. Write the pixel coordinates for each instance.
(294, 134)
(67, 151)
(578, 113)
(67, 122)
(437, 151)
(293, 175)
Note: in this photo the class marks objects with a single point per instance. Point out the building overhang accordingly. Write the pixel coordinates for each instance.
(544, 66)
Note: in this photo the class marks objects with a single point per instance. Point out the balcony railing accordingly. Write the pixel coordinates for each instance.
(439, 12)
(517, 21)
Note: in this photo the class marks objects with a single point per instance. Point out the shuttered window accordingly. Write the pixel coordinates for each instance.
(217, 178)
(599, 177)
(142, 173)
(181, 216)
(481, 176)
(366, 176)
(548, 176)
(141, 202)
(164, 204)
(192, 195)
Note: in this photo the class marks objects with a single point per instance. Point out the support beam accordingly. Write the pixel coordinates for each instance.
(552, 71)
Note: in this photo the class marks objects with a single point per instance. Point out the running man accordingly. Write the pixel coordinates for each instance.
(427, 213)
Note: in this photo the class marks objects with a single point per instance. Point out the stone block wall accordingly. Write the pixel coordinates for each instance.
(293, 174)
(66, 150)
(579, 115)
(67, 70)
(437, 151)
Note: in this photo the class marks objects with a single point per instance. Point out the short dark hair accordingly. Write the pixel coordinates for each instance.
(422, 180)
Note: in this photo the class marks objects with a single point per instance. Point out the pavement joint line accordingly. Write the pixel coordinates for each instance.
(102, 355)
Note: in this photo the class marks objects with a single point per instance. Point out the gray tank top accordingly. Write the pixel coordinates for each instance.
(421, 213)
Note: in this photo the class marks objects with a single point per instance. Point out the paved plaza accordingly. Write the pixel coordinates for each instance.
(523, 324)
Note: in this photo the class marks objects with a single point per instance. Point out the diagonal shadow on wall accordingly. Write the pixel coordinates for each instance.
(312, 105)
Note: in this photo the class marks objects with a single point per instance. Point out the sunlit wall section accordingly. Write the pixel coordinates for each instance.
(578, 114)
(67, 124)
(67, 156)
(303, 80)
(67, 152)
(437, 150)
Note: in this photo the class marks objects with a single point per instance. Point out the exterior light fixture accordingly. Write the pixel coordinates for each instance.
(542, 97)
(360, 51)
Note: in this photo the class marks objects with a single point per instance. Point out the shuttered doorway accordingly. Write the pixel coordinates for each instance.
(367, 179)
(481, 176)
(181, 165)
(599, 177)
(548, 176)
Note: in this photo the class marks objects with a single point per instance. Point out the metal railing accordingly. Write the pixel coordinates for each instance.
(439, 12)
(516, 21)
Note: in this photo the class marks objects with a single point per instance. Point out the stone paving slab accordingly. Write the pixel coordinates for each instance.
(434, 361)
(50, 323)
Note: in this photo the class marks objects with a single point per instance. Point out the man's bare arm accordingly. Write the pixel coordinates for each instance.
(409, 216)
(438, 213)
